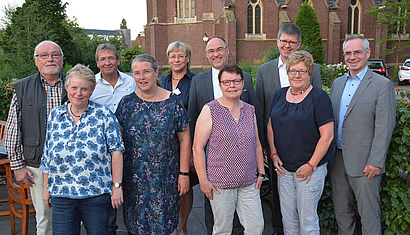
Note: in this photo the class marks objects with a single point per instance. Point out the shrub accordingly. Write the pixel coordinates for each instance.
(395, 191)
(330, 72)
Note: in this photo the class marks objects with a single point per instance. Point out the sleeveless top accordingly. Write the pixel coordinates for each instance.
(231, 161)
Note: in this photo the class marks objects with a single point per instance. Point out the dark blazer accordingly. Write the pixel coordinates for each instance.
(368, 124)
(267, 83)
(202, 92)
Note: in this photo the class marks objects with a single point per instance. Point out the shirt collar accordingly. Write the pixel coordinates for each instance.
(360, 75)
(99, 78)
(280, 62)
(64, 110)
(44, 81)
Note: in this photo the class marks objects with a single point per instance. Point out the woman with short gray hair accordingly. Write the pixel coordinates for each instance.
(82, 159)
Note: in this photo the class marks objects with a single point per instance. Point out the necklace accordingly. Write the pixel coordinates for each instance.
(295, 94)
(73, 113)
(176, 79)
(149, 106)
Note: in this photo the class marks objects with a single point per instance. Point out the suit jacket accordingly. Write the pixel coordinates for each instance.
(202, 92)
(267, 83)
(368, 124)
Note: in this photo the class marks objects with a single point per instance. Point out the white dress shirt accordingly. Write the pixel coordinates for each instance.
(283, 75)
(215, 83)
(110, 96)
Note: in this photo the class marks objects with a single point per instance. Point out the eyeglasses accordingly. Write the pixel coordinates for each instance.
(355, 53)
(109, 59)
(291, 43)
(228, 82)
(301, 72)
(219, 50)
(180, 57)
(45, 56)
(144, 72)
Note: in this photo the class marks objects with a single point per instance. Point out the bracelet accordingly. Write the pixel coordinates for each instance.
(260, 175)
(273, 154)
(311, 166)
(183, 173)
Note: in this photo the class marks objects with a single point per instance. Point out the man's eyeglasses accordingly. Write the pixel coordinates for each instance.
(228, 82)
(144, 72)
(109, 59)
(45, 56)
(219, 50)
(180, 57)
(301, 72)
(291, 43)
(355, 53)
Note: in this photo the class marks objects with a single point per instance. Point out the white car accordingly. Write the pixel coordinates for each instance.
(404, 73)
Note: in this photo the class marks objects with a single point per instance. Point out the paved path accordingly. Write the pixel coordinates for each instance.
(196, 221)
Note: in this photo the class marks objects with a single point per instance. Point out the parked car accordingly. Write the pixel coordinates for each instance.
(377, 66)
(404, 73)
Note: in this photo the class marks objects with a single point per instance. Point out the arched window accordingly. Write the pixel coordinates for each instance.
(353, 19)
(186, 8)
(254, 13)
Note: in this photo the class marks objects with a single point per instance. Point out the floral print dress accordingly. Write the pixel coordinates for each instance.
(151, 163)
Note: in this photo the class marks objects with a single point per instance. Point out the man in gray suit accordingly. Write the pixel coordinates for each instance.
(364, 106)
(271, 77)
(205, 88)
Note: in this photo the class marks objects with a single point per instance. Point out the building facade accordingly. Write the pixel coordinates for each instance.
(250, 26)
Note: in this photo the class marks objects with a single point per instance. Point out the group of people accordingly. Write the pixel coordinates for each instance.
(86, 144)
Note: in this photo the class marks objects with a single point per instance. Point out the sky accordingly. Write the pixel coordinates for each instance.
(100, 14)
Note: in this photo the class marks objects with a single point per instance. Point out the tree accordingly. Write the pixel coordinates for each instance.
(123, 24)
(26, 26)
(307, 21)
(395, 16)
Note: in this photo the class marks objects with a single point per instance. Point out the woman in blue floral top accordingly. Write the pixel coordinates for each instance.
(82, 160)
(157, 152)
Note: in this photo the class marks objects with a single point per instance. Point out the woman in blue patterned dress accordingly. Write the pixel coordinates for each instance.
(157, 153)
(82, 159)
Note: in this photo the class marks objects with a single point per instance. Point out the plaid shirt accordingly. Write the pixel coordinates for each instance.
(12, 138)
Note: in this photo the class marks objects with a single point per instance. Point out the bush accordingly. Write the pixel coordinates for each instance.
(330, 72)
(395, 192)
(6, 93)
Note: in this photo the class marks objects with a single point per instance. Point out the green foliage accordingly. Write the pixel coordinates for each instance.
(395, 16)
(325, 209)
(6, 92)
(250, 68)
(329, 72)
(128, 55)
(395, 201)
(308, 23)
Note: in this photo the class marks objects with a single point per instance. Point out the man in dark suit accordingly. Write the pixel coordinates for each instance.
(364, 106)
(272, 76)
(205, 88)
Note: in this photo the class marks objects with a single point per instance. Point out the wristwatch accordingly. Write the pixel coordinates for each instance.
(117, 185)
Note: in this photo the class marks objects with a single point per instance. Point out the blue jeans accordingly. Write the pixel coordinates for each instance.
(68, 213)
(298, 201)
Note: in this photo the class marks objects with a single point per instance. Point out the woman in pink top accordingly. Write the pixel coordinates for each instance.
(231, 173)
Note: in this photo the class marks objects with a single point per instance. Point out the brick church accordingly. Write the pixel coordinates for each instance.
(250, 26)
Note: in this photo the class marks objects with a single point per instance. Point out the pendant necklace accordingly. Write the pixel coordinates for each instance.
(149, 106)
(73, 113)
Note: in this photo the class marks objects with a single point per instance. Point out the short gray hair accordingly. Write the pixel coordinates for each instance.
(180, 46)
(145, 58)
(81, 71)
(106, 46)
(290, 29)
(46, 41)
(356, 36)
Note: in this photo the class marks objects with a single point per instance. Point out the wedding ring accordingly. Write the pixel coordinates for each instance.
(276, 169)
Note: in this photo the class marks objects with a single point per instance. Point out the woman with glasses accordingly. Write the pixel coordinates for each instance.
(300, 131)
(232, 172)
(178, 81)
(157, 153)
(82, 159)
